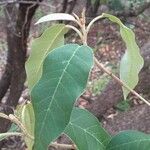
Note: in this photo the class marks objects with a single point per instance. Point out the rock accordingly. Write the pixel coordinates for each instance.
(138, 118)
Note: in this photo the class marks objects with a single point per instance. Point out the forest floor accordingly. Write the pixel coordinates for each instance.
(109, 49)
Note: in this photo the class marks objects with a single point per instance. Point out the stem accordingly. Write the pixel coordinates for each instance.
(15, 120)
(83, 27)
(22, 127)
(92, 22)
(2, 115)
(63, 146)
(100, 66)
(85, 32)
(11, 134)
(75, 29)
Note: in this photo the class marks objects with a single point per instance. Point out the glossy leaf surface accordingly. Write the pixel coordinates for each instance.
(132, 62)
(65, 74)
(86, 131)
(51, 38)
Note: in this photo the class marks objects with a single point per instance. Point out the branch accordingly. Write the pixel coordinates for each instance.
(64, 6)
(63, 146)
(100, 66)
(15, 120)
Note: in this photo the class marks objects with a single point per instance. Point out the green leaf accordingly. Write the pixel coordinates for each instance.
(25, 113)
(56, 16)
(28, 120)
(130, 140)
(86, 131)
(52, 37)
(65, 74)
(123, 105)
(14, 128)
(132, 62)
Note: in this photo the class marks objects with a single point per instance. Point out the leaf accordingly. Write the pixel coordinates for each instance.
(123, 105)
(130, 140)
(56, 16)
(28, 120)
(51, 38)
(14, 128)
(65, 74)
(25, 113)
(86, 131)
(132, 62)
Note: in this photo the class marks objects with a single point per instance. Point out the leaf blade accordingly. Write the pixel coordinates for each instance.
(132, 61)
(56, 16)
(52, 95)
(129, 140)
(51, 38)
(28, 120)
(86, 131)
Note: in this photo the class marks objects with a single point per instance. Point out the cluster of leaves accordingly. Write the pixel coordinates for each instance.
(57, 76)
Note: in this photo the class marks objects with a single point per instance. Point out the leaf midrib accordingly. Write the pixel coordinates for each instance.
(59, 81)
(85, 131)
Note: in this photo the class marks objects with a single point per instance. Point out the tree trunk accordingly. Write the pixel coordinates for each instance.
(6, 77)
(91, 9)
(17, 48)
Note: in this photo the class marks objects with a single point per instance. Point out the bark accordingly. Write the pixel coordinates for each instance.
(17, 48)
(64, 6)
(67, 7)
(71, 6)
(91, 9)
(6, 77)
(112, 94)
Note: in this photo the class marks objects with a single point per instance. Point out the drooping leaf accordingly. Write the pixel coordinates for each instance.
(64, 78)
(28, 120)
(51, 38)
(132, 62)
(86, 131)
(56, 16)
(130, 140)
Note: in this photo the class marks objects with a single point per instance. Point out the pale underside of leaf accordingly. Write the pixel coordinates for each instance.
(51, 38)
(28, 120)
(56, 16)
(86, 131)
(132, 61)
(64, 78)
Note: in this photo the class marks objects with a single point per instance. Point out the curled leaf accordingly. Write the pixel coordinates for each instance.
(56, 16)
(132, 61)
